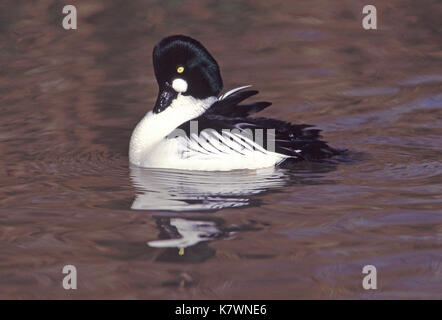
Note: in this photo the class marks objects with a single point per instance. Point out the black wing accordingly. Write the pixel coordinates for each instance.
(298, 141)
(230, 105)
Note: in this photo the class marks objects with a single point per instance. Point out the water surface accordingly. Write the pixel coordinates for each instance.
(70, 99)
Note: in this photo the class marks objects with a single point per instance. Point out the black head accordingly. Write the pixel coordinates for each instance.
(183, 65)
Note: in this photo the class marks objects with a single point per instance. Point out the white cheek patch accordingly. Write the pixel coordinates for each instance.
(179, 85)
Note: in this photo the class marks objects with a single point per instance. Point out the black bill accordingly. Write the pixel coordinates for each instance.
(165, 97)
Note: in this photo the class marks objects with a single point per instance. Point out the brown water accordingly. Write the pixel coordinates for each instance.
(70, 99)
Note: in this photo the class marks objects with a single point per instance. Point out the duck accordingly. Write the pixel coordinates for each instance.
(192, 126)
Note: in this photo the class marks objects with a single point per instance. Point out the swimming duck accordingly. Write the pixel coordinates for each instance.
(193, 127)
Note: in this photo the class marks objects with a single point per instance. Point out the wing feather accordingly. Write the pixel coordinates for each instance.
(294, 141)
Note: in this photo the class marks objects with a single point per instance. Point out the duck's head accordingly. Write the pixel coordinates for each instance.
(183, 66)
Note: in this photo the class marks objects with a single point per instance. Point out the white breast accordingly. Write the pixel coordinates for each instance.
(151, 131)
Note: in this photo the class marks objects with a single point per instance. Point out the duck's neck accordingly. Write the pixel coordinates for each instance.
(154, 127)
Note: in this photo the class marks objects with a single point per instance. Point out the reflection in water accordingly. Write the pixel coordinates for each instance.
(184, 191)
(190, 232)
(180, 190)
(185, 240)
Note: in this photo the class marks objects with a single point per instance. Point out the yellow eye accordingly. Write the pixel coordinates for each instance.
(180, 69)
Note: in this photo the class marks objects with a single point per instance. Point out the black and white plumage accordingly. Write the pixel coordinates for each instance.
(191, 128)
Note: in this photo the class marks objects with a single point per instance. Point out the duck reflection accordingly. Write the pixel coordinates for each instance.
(190, 232)
(175, 190)
(185, 240)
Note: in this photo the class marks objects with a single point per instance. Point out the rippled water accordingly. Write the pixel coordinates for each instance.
(70, 99)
